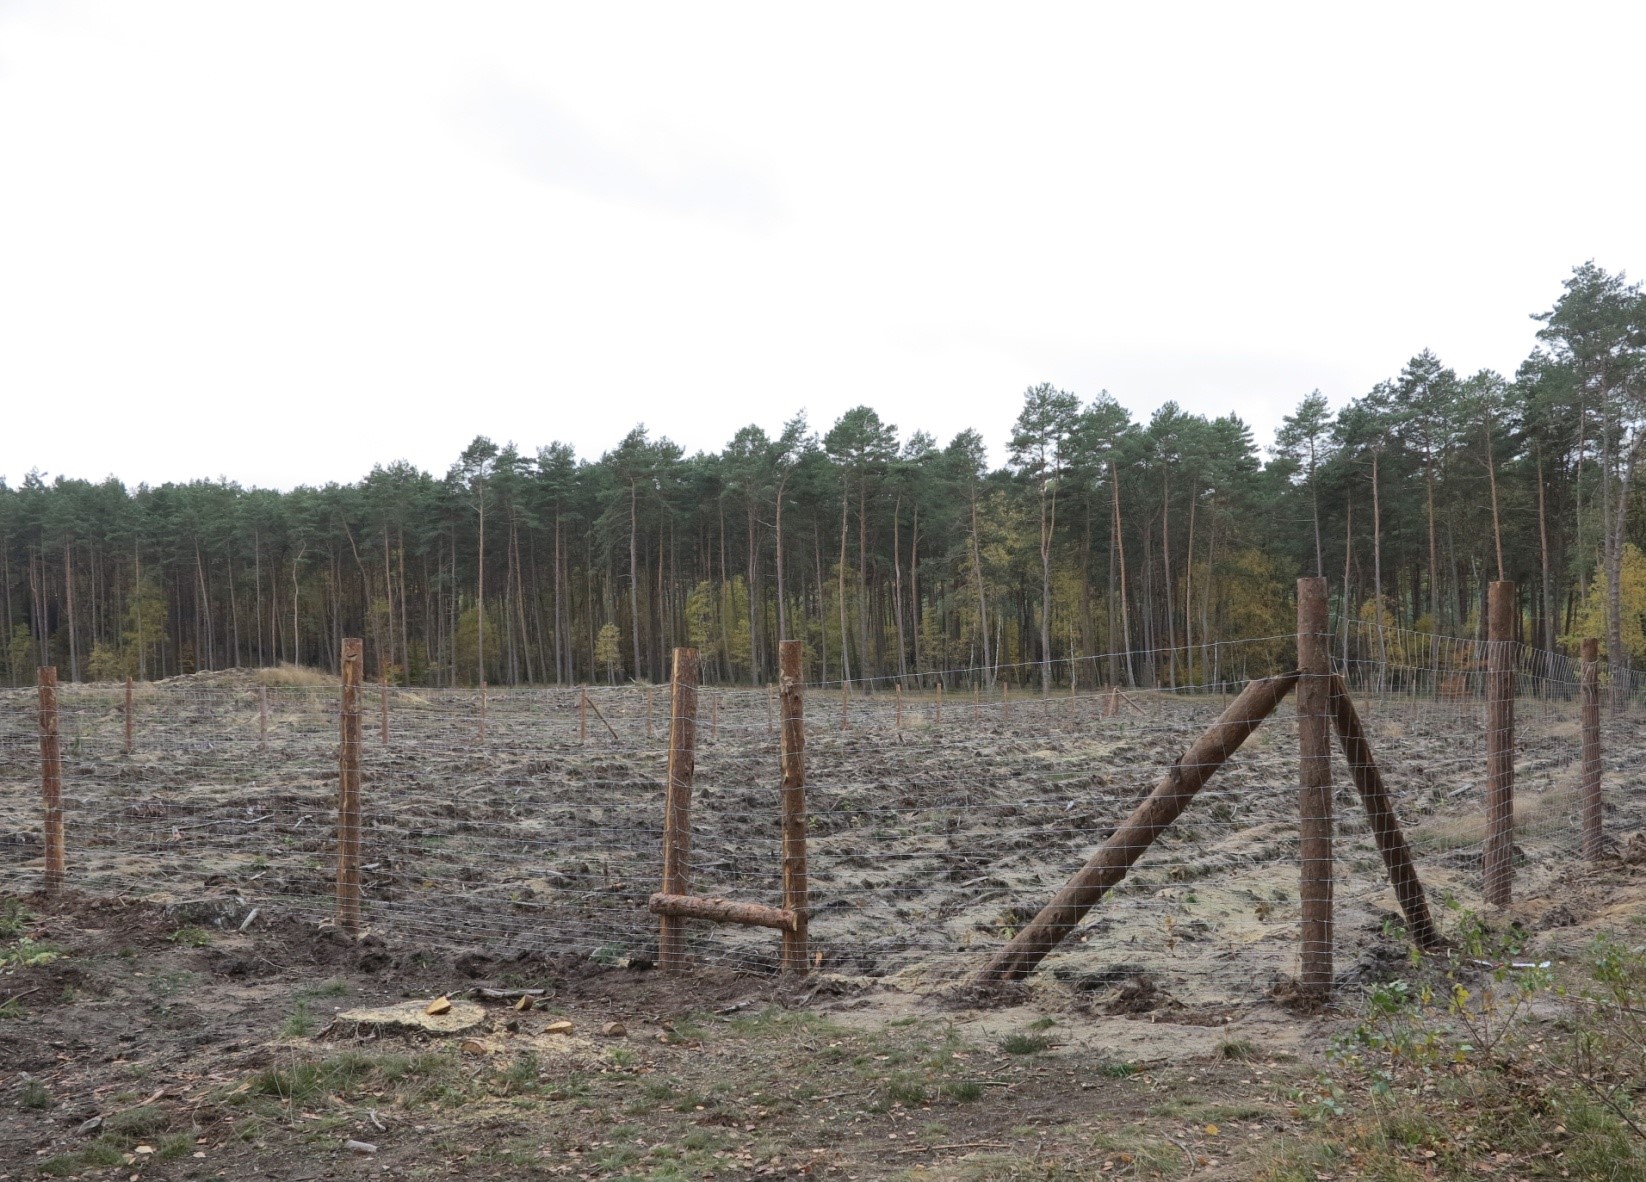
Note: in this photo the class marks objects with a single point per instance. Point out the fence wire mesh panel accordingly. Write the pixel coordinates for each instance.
(942, 814)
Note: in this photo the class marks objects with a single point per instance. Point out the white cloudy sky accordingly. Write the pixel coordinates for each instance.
(281, 242)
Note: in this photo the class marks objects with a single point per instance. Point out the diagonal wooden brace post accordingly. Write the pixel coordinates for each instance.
(1380, 814)
(1108, 866)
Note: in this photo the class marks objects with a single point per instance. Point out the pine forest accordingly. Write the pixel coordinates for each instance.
(1142, 544)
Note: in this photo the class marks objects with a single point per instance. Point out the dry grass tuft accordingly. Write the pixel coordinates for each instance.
(288, 676)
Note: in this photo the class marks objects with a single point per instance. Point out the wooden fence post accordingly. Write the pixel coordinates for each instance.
(348, 793)
(677, 805)
(937, 710)
(900, 705)
(383, 696)
(51, 779)
(1314, 773)
(845, 705)
(1500, 743)
(262, 716)
(1593, 817)
(130, 729)
(482, 710)
(793, 748)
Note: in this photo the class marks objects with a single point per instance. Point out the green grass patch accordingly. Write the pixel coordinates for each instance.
(1025, 1044)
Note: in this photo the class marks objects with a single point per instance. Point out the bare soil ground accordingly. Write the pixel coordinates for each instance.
(1157, 1045)
(138, 1041)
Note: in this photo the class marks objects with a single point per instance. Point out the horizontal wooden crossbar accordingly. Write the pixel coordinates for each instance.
(722, 911)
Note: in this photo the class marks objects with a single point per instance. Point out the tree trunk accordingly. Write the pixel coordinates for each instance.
(982, 602)
(68, 608)
(845, 659)
(863, 664)
(897, 590)
(782, 587)
(634, 573)
(1166, 567)
(1118, 548)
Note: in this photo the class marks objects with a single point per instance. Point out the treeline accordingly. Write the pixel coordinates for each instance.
(888, 554)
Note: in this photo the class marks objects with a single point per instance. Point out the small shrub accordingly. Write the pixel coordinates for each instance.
(13, 919)
(300, 1024)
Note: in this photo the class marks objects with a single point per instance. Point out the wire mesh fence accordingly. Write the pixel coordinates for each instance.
(943, 810)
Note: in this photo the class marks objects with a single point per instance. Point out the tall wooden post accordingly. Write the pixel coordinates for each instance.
(900, 705)
(677, 805)
(845, 706)
(482, 710)
(1314, 741)
(383, 705)
(1500, 743)
(51, 779)
(793, 747)
(262, 716)
(937, 710)
(130, 728)
(1589, 685)
(348, 792)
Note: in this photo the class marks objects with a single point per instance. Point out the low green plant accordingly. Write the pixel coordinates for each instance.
(1025, 1044)
(13, 918)
(300, 1024)
(27, 953)
(1488, 1060)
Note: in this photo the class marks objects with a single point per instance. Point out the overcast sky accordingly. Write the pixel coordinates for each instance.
(283, 242)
